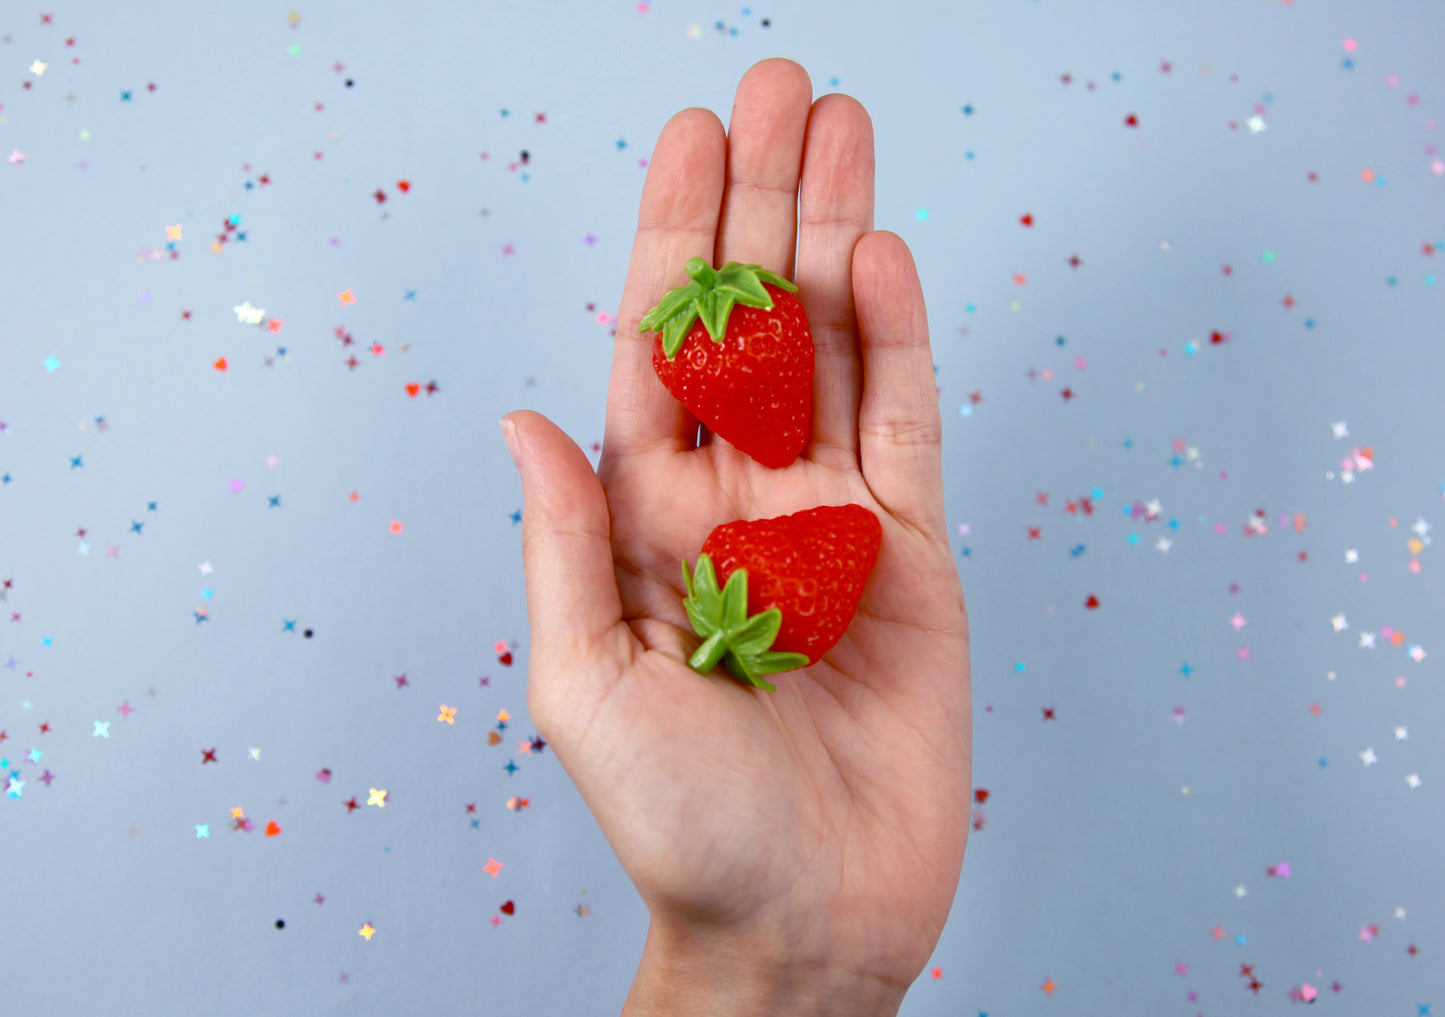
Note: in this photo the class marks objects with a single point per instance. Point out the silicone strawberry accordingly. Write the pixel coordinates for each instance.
(790, 587)
(746, 363)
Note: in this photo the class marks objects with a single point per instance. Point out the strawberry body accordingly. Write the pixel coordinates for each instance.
(744, 366)
(809, 567)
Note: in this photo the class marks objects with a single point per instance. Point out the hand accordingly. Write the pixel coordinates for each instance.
(803, 845)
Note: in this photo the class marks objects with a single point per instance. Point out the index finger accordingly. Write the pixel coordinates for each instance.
(677, 220)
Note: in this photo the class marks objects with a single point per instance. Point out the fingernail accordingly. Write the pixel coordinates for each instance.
(509, 432)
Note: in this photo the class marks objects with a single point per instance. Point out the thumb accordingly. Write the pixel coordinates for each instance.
(572, 598)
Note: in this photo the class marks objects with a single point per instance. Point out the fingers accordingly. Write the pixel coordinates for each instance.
(765, 150)
(677, 220)
(900, 430)
(836, 209)
(738, 196)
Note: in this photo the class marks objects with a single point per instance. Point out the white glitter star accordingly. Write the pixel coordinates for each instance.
(248, 315)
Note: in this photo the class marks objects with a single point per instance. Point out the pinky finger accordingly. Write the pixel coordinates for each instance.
(900, 430)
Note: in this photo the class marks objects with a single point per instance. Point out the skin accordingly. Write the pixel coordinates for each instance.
(820, 828)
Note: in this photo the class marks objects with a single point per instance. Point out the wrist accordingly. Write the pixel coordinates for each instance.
(689, 974)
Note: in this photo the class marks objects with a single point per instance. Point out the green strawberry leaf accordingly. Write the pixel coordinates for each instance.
(670, 305)
(715, 309)
(745, 672)
(675, 331)
(743, 283)
(758, 634)
(752, 669)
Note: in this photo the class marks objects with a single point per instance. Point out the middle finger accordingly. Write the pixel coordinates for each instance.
(759, 218)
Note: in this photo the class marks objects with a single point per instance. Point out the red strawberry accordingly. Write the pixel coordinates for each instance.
(746, 369)
(789, 588)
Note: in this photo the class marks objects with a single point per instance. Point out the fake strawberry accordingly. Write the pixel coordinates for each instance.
(790, 588)
(734, 347)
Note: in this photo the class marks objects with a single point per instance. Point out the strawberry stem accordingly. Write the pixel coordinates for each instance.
(709, 654)
(743, 644)
(701, 273)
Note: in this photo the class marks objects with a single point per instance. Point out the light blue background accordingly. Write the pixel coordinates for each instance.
(1094, 867)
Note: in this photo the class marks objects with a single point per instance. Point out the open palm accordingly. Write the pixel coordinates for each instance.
(825, 823)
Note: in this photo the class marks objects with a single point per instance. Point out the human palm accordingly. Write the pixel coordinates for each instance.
(824, 823)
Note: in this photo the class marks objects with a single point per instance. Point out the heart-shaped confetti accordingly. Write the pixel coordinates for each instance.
(1131, 121)
(980, 795)
(1092, 602)
(493, 738)
(324, 776)
(272, 829)
(403, 186)
(1027, 220)
(220, 365)
(509, 908)
(506, 658)
(412, 389)
(1282, 870)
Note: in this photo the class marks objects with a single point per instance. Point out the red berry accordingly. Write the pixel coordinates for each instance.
(744, 366)
(810, 567)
